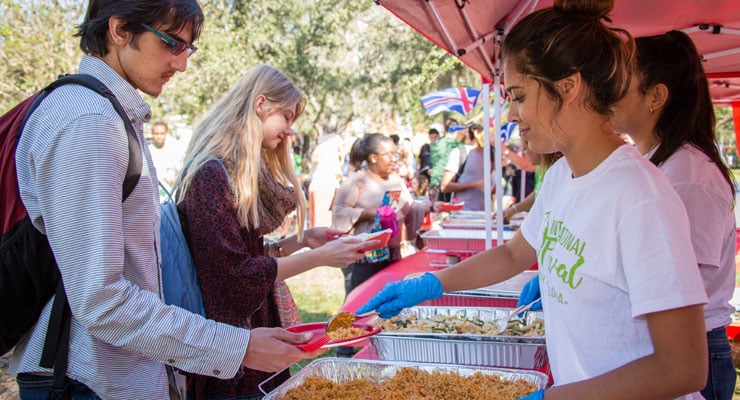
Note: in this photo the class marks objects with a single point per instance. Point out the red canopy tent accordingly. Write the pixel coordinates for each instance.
(468, 29)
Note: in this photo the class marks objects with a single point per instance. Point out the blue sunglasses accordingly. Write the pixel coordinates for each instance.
(176, 48)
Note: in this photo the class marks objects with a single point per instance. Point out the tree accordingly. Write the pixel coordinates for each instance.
(35, 47)
(352, 59)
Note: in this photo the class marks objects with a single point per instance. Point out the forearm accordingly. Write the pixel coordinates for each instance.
(457, 187)
(288, 245)
(526, 203)
(288, 266)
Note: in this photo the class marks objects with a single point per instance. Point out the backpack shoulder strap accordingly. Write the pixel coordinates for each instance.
(133, 172)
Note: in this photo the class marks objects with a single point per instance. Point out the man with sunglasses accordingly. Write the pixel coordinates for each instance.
(71, 161)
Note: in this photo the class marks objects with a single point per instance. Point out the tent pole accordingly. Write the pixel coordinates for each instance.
(485, 90)
(497, 148)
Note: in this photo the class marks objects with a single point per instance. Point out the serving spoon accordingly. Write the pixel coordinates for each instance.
(345, 319)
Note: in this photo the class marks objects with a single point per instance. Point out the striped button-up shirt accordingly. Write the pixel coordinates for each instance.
(71, 161)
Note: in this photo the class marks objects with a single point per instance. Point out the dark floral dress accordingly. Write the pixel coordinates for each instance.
(237, 281)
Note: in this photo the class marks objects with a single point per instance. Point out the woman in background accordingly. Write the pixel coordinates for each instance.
(668, 113)
(360, 196)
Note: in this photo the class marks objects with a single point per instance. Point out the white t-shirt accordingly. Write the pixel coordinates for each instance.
(611, 248)
(167, 161)
(708, 201)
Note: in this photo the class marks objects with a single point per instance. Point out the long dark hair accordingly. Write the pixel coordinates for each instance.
(554, 43)
(174, 14)
(688, 115)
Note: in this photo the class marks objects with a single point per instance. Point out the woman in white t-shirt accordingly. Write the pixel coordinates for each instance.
(622, 296)
(668, 113)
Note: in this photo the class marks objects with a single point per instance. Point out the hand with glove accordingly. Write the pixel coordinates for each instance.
(538, 395)
(396, 296)
(530, 293)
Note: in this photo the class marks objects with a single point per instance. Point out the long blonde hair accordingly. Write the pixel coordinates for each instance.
(232, 131)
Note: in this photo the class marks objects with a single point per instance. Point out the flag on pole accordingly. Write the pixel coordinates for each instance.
(460, 100)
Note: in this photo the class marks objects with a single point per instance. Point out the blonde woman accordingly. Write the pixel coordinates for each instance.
(239, 185)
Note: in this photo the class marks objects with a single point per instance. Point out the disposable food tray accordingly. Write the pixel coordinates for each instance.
(461, 239)
(526, 352)
(467, 224)
(446, 258)
(468, 214)
(343, 370)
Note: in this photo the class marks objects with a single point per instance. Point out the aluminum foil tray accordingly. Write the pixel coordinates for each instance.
(446, 258)
(461, 239)
(342, 370)
(500, 295)
(508, 289)
(527, 352)
(469, 214)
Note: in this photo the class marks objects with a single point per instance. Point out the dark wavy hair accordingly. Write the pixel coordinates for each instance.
(688, 114)
(554, 43)
(173, 14)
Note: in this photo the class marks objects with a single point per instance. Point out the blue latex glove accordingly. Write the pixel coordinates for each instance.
(530, 293)
(396, 296)
(538, 395)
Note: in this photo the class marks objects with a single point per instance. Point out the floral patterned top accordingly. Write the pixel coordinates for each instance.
(237, 281)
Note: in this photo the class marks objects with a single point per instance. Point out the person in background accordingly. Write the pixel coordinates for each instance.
(165, 155)
(406, 163)
(424, 164)
(463, 175)
(541, 162)
(326, 175)
(239, 186)
(440, 152)
(668, 114)
(604, 227)
(71, 159)
(359, 198)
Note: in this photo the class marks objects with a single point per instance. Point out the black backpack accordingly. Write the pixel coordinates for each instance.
(29, 276)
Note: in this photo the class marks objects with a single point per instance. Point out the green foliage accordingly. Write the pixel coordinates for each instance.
(34, 46)
(352, 59)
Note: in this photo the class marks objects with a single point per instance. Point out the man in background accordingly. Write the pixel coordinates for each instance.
(166, 155)
(440, 152)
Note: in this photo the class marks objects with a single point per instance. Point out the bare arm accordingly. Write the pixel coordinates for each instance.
(448, 186)
(678, 365)
(524, 205)
(336, 253)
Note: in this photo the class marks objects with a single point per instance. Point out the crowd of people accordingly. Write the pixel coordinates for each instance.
(604, 217)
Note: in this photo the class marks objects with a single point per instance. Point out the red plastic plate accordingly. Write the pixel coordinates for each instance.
(319, 329)
(452, 206)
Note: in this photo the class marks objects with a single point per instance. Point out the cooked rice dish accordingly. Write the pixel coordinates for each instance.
(415, 384)
(441, 323)
(345, 333)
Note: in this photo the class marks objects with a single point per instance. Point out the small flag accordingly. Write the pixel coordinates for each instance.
(460, 100)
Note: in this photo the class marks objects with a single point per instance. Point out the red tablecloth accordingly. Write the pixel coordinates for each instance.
(394, 272)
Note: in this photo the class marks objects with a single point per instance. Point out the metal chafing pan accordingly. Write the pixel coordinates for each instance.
(501, 295)
(527, 352)
(342, 370)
